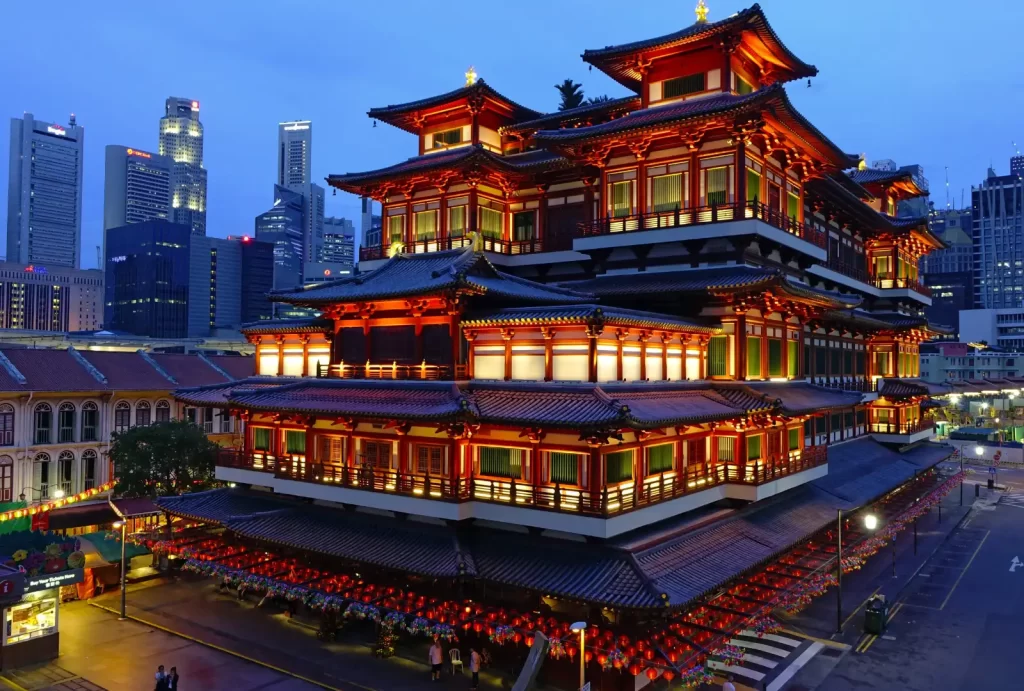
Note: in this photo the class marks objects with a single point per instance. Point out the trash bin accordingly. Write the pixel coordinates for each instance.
(875, 615)
(991, 483)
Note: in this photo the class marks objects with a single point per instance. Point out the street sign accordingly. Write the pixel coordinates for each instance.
(992, 470)
(585, 687)
(1014, 564)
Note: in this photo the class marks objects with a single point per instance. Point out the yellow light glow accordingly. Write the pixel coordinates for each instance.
(471, 75)
(702, 12)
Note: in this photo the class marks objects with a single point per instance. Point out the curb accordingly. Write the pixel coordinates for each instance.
(222, 649)
(12, 684)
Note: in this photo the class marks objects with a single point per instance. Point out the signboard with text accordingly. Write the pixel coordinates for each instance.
(45, 581)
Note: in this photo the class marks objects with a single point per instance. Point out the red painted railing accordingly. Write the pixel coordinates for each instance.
(393, 371)
(908, 283)
(858, 273)
(901, 428)
(703, 215)
(488, 244)
(564, 498)
(845, 384)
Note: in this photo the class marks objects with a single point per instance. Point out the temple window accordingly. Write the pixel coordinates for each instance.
(696, 451)
(890, 206)
(753, 351)
(446, 138)
(631, 362)
(793, 202)
(882, 266)
(268, 363)
(882, 368)
(743, 86)
(718, 356)
(618, 467)
(396, 228)
(652, 363)
(726, 450)
(528, 362)
(261, 438)
(660, 458)
(621, 196)
(377, 454)
(716, 186)
(794, 439)
(683, 86)
(457, 221)
(755, 446)
(330, 449)
(754, 186)
(317, 357)
(430, 459)
(563, 468)
(292, 363)
(499, 461)
(607, 363)
(524, 225)
(489, 362)
(792, 355)
(692, 364)
(425, 225)
(667, 192)
(294, 441)
(569, 363)
(491, 223)
(775, 365)
(674, 364)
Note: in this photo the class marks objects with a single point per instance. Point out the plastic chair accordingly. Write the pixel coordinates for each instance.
(456, 659)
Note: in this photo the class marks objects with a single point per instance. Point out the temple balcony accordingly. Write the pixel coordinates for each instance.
(903, 288)
(570, 508)
(422, 371)
(902, 432)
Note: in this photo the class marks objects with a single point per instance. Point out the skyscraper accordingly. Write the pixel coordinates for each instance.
(44, 193)
(369, 224)
(313, 222)
(282, 226)
(294, 151)
(339, 242)
(997, 212)
(181, 138)
(136, 186)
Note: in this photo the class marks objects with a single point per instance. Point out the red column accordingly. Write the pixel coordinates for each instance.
(620, 337)
(595, 477)
(506, 336)
(592, 335)
(741, 347)
(310, 451)
(549, 335)
(280, 356)
(643, 356)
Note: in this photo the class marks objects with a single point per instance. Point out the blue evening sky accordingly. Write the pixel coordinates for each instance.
(935, 82)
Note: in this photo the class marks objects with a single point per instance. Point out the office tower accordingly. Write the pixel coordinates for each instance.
(50, 298)
(998, 220)
(369, 224)
(949, 272)
(136, 186)
(339, 241)
(224, 275)
(257, 279)
(1017, 166)
(294, 151)
(181, 138)
(44, 193)
(313, 206)
(282, 226)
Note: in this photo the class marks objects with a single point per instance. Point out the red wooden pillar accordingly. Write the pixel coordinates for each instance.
(280, 356)
(741, 173)
(593, 333)
(549, 335)
(310, 451)
(694, 180)
(350, 450)
(588, 201)
(785, 347)
(418, 330)
(665, 339)
(595, 477)
(741, 347)
(542, 213)
(506, 336)
(620, 336)
(470, 336)
(453, 467)
(404, 465)
(305, 355)
(643, 355)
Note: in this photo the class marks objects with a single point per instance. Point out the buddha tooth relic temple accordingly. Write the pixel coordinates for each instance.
(596, 347)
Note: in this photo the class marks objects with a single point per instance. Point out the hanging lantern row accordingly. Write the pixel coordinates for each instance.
(56, 503)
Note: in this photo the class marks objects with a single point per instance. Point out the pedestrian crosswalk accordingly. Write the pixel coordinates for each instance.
(768, 661)
(1012, 499)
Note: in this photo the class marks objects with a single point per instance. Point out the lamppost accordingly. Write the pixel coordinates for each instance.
(57, 493)
(839, 573)
(581, 627)
(123, 524)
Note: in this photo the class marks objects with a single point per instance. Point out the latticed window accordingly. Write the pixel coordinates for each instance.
(44, 421)
(295, 441)
(396, 228)
(41, 475)
(794, 357)
(754, 444)
(261, 438)
(163, 411)
(793, 205)
(753, 356)
(500, 461)
(66, 423)
(142, 413)
(882, 364)
(659, 458)
(743, 87)
(331, 449)
(618, 466)
(88, 469)
(429, 459)
(622, 198)
(90, 421)
(718, 353)
(775, 358)
(667, 192)
(447, 138)
(717, 186)
(563, 468)
(490, 223)
(753, 186)
(425, 225)
(523, 225)
(456, 221)
(681, 86)
(6, 425)
(794, 439)
(122, 417)
(65, 472)
(726, 449)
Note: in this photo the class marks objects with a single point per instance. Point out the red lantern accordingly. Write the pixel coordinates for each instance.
(529, 641)
(668, 675)
(588, 656)
(571, 650)
(649, 654)
(478, 627)
(640, 645)
(634, 669)
(517, 637)
(602, 659)
(652, 673)
(673, 657)
(617, 664)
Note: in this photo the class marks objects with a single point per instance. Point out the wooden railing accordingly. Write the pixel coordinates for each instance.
(908, 283)
(702, 215)
(842, 383)
(858, 273)
(392, 371)
(609, 501)
(900, 428)
(487, 243)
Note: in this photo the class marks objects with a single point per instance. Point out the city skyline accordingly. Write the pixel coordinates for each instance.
(231, 65)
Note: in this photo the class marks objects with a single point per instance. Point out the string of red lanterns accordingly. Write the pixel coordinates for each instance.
(56, 503)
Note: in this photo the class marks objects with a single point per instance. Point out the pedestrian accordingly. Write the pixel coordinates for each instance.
(161, 679)
(728, 685)
(172, 679)
(474, 667)
(436, 660)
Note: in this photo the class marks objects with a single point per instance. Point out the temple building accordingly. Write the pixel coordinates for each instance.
(602, 320)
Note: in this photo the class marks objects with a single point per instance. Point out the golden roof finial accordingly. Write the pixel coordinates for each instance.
(470, 76)
(702, 12)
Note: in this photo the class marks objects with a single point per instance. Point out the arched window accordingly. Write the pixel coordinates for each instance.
(90, 421)
(44, 421)
(6, 478)
(122, 417)
(40, 476)
(66, 423)
(142, 414)
(163, 411)
(65, 479)
(6, 425)
(89, 469)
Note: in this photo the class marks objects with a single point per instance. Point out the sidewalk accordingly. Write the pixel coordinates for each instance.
(48, 677)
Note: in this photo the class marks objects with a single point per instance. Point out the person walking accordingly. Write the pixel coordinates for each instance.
(474, 667)
(172, 679)
(161, 679)
(728, 685)
(436, 660)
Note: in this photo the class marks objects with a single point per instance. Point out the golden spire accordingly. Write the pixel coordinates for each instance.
(702, 12)
(470, 76)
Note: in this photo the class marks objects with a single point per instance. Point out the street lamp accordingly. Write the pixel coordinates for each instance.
(979, 450)
(839, 573)
(123, 525)
(871, 521)
(581, 627)
(57, 493)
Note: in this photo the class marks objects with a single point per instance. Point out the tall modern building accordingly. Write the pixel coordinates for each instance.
(949, 272)
(282, 227)
(339, 242)
(313, 207)
(1017, 166)
(44, 193)
(165, 281)
(50, 299)
(294, 151)
(181, 138)
(998, 220)
(369, 224)
(136, 186)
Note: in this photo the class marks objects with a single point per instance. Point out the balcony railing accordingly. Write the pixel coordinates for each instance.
(392, 371)
(908, 283)
(702, 215)
(858, 273)
(845, 383)
(488, 244)
(901, 427)
(610, 501)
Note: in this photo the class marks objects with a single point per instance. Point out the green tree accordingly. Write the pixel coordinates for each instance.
(163, 458)
(571, 94)
(604, 98)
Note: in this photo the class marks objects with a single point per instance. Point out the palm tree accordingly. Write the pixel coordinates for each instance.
(599, 99)
(571, 94)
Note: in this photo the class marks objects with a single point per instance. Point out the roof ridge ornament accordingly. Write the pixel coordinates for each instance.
(471, 74)
(702, 12)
